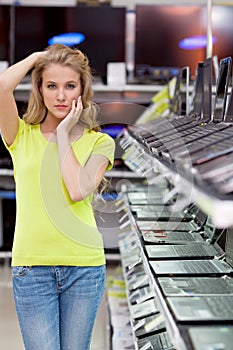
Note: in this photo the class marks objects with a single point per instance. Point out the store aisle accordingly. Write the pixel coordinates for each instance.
(10, 337)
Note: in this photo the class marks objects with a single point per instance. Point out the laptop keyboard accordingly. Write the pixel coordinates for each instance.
(198, 250)
(198, 266)
(216, 286)
(221, 306)
(163, 125)
(174, 134)
(202, 134)
(208, 141)
(199, 133)
(212, 151)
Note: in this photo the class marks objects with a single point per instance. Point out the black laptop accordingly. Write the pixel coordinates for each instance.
(181, 124)
(211, 123)
(149, 130)
(215, 144)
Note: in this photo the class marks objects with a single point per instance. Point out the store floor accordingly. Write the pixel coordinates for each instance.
(10, 337)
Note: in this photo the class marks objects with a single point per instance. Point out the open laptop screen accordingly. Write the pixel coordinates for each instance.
(207, 88)
(222, 88)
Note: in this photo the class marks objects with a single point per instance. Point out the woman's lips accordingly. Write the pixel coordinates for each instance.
(60, 106)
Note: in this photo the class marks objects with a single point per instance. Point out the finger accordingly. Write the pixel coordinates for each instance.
(79, 107)
(73, 105)
(79, 104)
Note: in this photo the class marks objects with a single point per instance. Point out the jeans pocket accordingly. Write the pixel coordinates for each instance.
(18, 271)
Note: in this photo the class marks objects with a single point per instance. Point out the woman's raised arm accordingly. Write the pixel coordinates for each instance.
(9, 79)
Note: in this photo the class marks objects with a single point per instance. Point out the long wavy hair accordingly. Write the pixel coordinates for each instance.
(69, 57)
(65, 56)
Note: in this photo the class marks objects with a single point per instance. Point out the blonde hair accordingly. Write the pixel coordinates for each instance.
(64, 56)
(75, 59)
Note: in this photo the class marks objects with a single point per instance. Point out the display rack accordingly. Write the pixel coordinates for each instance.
(218, 206)
(187, 189)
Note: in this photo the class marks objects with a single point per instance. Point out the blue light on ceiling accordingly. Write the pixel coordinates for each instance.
(68, 39)
(194, 42)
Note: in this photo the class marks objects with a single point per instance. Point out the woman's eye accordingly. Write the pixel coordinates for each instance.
(51, 86)
(70, 86)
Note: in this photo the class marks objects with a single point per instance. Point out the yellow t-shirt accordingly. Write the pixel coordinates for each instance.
(51, 229)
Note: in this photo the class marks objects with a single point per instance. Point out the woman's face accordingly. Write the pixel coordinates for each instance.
(60, 86)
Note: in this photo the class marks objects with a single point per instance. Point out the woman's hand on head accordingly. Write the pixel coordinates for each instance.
(37, 55)
(72, 117)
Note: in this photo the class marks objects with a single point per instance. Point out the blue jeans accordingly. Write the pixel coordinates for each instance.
(57, 305)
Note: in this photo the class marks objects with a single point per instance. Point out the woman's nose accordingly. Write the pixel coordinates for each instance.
(60, 95)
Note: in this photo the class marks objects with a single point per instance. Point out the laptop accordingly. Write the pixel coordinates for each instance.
(153, 196)
(163, 212)
(197, 250)
(196, 101)
(202, 308)
(168, 225)
(143, 293)
(211, 337)
(159, 341)
(149, 325)
(201, 267)
(182, 124)
(210, 124)
(170, 237)
(223, 146)
(213, 142)
(181, 251)
(183, 286)
(179, 237)
(149, 129)
(144, 309)
(216, 169)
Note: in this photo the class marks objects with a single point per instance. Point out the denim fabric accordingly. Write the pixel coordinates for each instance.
(57, 305)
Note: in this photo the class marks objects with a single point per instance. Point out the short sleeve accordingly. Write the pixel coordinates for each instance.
(105, 146)
(20, 130)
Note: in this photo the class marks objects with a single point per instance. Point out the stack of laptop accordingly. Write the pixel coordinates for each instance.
(191, 267)
(223, 114)
(148, 130)
(169, 144)
(199, 294)
(201, 137)
(147, 321)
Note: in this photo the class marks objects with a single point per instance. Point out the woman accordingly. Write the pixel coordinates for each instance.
(59, 159)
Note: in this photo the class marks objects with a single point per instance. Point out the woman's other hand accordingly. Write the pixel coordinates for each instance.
(72, 118)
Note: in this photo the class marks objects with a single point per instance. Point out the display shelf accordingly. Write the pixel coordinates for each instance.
(133, 240)
(169, 320)
(148, 301)
(186, 188)
(213, 203)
